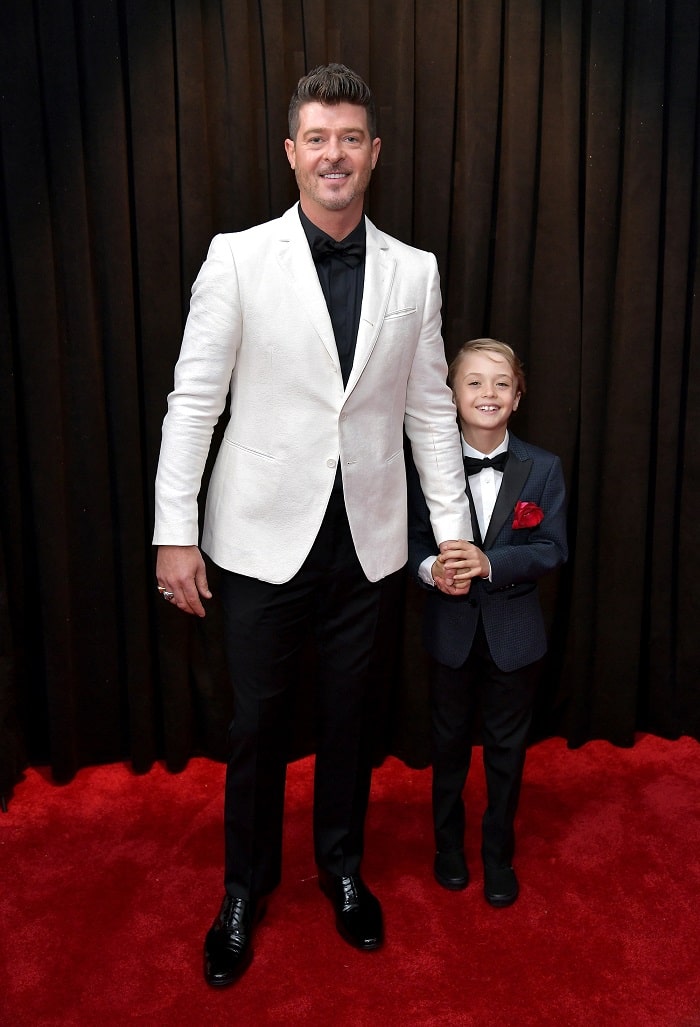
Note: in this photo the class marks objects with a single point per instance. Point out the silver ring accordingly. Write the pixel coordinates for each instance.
(165, 594)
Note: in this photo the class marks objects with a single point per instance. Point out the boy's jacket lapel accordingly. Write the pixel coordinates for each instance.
(515, 475)
(478, 541)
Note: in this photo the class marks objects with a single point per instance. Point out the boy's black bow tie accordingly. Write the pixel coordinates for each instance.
(472, 464)
(351, 253)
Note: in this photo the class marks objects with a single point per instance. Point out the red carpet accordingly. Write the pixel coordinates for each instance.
(109, 884)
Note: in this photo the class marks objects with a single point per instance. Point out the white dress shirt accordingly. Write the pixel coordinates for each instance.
(484, 486)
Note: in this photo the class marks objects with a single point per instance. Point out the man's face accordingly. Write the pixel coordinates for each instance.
(332, 157)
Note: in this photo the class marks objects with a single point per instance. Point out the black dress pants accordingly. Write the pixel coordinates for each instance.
(505, 700)
(266, 627)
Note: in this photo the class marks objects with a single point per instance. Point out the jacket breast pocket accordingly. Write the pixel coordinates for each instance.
(392, 315)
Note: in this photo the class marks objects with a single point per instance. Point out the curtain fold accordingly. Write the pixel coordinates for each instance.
(545, 150)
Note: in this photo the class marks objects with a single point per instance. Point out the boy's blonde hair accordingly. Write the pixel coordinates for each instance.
(489, 346)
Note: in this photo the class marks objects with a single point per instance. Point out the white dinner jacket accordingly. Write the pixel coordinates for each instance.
(259, 327)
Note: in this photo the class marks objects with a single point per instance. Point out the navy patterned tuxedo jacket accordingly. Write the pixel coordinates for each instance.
(509, 604)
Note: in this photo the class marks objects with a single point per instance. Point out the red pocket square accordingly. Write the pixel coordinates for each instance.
(527, 515)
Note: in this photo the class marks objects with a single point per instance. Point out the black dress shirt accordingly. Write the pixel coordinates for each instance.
(342, 287)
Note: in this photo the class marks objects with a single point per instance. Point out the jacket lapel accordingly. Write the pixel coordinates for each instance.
(295, 259)
(478, 541)
(380, 269)
(515, 474)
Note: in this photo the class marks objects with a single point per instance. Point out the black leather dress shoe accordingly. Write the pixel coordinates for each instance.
(451, 871)
(358, 915)
(228, 945)
(500, 886)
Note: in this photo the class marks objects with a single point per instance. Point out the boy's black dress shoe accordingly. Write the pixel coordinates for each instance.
(450, 870)
(358, 915)
(228, 945)
(500, 886)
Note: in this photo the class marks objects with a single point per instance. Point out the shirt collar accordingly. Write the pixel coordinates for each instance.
(314, 232)
(468, 450)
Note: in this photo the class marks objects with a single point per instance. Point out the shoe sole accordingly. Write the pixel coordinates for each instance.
(451, 885)
(500, 901)
(369, 947)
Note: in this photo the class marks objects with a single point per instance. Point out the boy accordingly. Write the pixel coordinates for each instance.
(487, 644)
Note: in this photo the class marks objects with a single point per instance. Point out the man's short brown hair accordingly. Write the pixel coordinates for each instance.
(332, 84)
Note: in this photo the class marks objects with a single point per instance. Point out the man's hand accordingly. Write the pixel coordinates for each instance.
(181, 570)
(457, 564)
(445, 568)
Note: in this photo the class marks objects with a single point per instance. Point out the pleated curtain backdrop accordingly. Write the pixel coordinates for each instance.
(545, 150)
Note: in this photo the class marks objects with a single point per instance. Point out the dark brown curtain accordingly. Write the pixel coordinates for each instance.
(545, 150)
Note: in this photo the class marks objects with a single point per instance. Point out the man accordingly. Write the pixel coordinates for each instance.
(326, 351)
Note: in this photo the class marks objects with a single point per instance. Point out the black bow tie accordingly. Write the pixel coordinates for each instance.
(472, 464)
(351, 253)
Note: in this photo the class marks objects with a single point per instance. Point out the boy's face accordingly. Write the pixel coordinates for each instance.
(486, 394)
